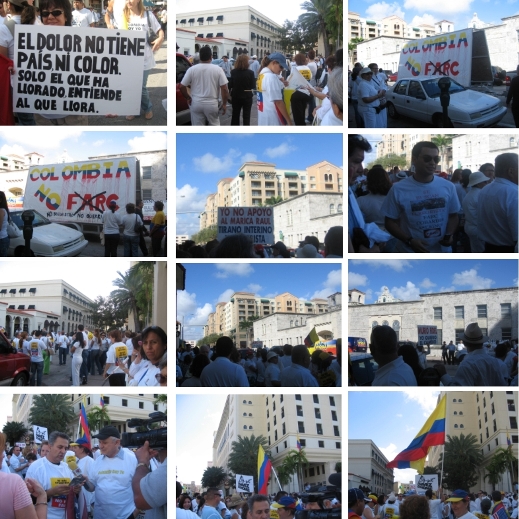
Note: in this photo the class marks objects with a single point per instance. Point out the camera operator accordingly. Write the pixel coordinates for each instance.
(150, 487)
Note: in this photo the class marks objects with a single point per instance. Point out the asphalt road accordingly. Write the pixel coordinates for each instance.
(94, 248)
(60, 375)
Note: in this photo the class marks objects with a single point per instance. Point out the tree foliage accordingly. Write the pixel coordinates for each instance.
(213, 477)
(98, 417)
(106, 315)
(54, 412)
(314, 19)
(209, 339)
(205, 235)
(14, 431)
(462, 459)
(389, 162)
(243, 458)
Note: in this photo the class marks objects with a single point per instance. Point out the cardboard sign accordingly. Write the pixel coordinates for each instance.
(40, 433)
(426, 482)
(77, 70)
(427, 334)
(121, 352)
(244, 483)
(440, 55)
(81, 191)
(255, 222)
(148, 212)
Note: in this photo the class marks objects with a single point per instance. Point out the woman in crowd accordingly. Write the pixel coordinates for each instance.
(334, 116)
(279, 250)
(77, 356)
(369, 99)
(114, 358)
(154, 346)
(95, 352)
(157, 228)
(130, 235)
(197, 366)
(241, 85)
(415, 507)
(136, 18)
(111, 223)
(299, 99)
(184, 502)
(4, 220)
(378, 184)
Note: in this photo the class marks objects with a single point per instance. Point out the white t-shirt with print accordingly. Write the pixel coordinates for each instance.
(270, 89)
(140, 23)
(111, 357)
(82, 18)
(36, 348)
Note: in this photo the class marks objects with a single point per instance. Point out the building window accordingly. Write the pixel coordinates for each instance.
(311, 472)
(482, 311)
(332, 401)
(317, 413)
(319, 428)
(316, 399)
(332, 208)
(437, 313)
(301, 427)
(455, 412)
(511, 405)
(506, 310)
(284, 428)
(336, 430)
(459, 332)
(298, 397)
(146, 194)
(299, 410)
(321, 444)
(455, 426)
(281, 399)
(337, 445)
(486, 419)
(282, 412)
(125, 403)
(513, 422)
(486, 429)
(334, 416)
(459, 312)
(495, 426)
(275, 420)
(506, 334)
(276, 435)
(493, 408)
(141, 405)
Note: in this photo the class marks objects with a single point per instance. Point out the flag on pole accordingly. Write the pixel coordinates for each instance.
(508, 441)
(311, 338)
(84, 431)
(298, 443)
(101, 402)
(432, 433)
(264, 468)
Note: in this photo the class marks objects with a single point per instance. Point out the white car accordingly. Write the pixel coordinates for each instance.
(48, 239)
(419, 98)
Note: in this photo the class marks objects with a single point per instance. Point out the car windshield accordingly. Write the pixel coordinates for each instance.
(433, 90)
(39, 220)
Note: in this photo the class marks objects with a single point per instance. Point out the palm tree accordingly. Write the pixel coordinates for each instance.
(55, 412)
(273, 200)
(315, 18)
(352, 48)
(161, 399)
(248, 326)
(284, 474)
(334, 21)
(508, 460)
(462, 459)
(98, 417)
(145, 271)
(493, 472)
(443, 142)
(243, 458)
(297, 460)
(213, 477)
(125, 297)
(14, 431)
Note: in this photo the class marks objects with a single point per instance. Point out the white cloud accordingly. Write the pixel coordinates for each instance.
(331, 284)
(382, 9)
(98, 143)
(234, 136)
(399, 265)
(408, 293)
(426, 400)
(356, 280)
(280, 151)
(210, 163)
(45, 140)
(201, 315)
(471, 279)
(225, 270)
(149, 141)
(254, 288)
(390, 451)
(516, 281)
(427, 19)
(400, 415)
(447, 289)
(427, 283)
(248, 157)
(189, 199)
(225, 296)
(14, 149)
(186, 303)
(440, 6)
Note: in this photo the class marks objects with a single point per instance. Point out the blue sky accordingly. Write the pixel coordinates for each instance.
(415, 12)
(208, 284)
(203, 159)
(196, 447)
(79, 144)
(406, 279)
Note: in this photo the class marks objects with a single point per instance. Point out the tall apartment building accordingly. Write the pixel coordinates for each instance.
(316, 419)
(491, 416)
(258, 181)
(367, 467)
(244, 305)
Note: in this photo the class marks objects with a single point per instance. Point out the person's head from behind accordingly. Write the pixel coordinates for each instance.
(224, 346)
(242, 62)
(410, 356)
(130, 208)
(56, 12)
(158, 206)
(300, 59)
(213, 497)
(335, 89)
(415, 507)
(287, 349)
(235, 246)
(507, 166)
(259, 507)
(198, 364)
(378, 181)
(333, 241)
(485, 505)
(80, 338)
(384, 344)
(357, 146)
(206, 54)
(301, 355)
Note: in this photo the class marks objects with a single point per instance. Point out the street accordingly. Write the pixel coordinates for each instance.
(406, 122)
(96, 250)
(60, 375)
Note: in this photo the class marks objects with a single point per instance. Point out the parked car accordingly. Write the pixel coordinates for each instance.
(14, 367)
(357, 344)
(392, 77)
(509, 76)
(361, 369)
(499, 75)
(183, 114)
(48, 239)
(419, 98)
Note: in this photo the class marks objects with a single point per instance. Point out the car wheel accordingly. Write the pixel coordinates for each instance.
(391, 110)
(21, 379)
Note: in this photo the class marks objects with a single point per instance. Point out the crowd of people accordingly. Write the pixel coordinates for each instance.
(131, 221)
(422, 210)
(241, 246)
(135, 359)
(479, 361)
(432, 505)
(117, 14)
(62, 479)
(226, 366)
(211, 86)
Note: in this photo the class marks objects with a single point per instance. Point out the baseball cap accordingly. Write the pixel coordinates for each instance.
(107, 432)
(458, 495)
(80, 441)
(354, 494)
(285, 502)
(277, 56)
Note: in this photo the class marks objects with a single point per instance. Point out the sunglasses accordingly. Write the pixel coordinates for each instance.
(428, 158)
(55, 13)
(161, 378)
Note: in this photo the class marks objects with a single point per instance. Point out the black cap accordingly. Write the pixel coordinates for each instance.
(107, 432)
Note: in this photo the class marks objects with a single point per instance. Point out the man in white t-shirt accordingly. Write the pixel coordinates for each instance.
(81, 16)
(434, 504)
(17, 462)
(207, 83)
(422, 211)
(111, 476)
(36, 347)
(62, 342)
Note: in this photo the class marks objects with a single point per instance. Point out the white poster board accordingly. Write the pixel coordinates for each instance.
(255, 222)
(427, 334)
(77, 70)
(425, 482)
(244, 483)
(40, 433)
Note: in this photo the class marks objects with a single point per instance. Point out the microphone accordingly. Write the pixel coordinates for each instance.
(78, 476)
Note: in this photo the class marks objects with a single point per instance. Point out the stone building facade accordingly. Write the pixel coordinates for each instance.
(503, 42)
(495, 311)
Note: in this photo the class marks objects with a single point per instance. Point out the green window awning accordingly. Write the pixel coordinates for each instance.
(371, 22)
(265, 300)
(290, 174)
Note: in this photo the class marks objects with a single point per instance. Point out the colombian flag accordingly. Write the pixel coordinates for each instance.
(264, 468)
(432, 433)
(311, 338)
(298, 444)
(84, 431)
(102, 401)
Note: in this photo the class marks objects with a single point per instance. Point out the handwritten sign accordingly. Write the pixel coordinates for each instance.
(426, 482)
(40, 433)
(77, 70)
(244, 483)
(255, 222)
(427, 334)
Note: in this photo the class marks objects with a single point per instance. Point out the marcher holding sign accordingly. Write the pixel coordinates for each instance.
(113, 358)
(300, 97)
(136, 18)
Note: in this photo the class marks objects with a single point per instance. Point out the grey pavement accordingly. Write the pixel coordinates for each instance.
(94, 248)
(60, 375)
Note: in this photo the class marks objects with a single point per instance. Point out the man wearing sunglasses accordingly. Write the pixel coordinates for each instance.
(422, 210)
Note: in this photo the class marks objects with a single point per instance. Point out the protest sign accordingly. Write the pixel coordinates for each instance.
(40, 433)
(148, 212)
(427, 334)
(77, 70)
(80, 191)
(244, 483)
(426, 482)
(256, 222)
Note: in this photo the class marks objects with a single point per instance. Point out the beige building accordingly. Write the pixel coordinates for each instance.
(316, 419)
(491, 416)
(367, 467)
